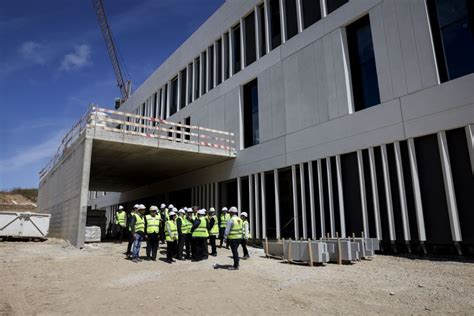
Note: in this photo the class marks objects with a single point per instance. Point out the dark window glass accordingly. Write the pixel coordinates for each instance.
(190, 83)
(263, 29)
(332, 5)
(187, 121)
(197, 76)
(275, 28)
(251, 127)
(211, 68)
(365, 86)
(174, 96)
(182, 89)
(250, 48)
(204, 72)
(291, 20)
(165, 100)
(226, 56)
(452, 24)
(218, 62)
(155, 105)
(236, 52)
(160, 102)
(311, 12)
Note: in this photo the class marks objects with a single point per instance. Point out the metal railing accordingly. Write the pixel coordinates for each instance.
(144, 126)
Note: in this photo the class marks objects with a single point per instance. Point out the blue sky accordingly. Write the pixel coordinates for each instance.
(53, 64)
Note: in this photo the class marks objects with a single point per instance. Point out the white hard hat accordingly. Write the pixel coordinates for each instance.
(172, 213)
(120, 207)
(174, 209)
(142, 207)
(153, 208)
(202, 212)
(136, 206)
(190, 210)
(233, 209)
(170, 206)
(212, 210)
(163, 205)
(224, 209)
(181, 211)
(244, 214)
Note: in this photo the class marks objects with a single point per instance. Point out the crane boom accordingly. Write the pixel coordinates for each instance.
(112, 50)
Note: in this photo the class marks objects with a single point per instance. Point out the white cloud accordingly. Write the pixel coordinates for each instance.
(77, 59)
(33, 51)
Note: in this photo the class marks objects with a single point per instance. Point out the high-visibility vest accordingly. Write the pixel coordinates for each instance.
(224, 219)
(185, 225)
(246, 229)
(174, 231)
(236, 230)
(193, 217)
(120, 218)
(167, 215)
(152, 224)
(139, 223)
(201, 230)
(215, 228)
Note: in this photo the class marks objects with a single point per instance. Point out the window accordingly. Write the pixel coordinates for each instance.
(218, 62)
(174, 96)
(275, 28)
(182, 89)
(204, 72)
(251, 126)
(197, 74)
(155, 105)
(263, 30)
(362, 60)
(187, 121)
(332, 5)
(211, 68)
(236, 53)
(250, 47)
(311, 12)
(452, 24)
(291, 20)
(226, 56)
(165, 101)
(190, 83)
(160, 102)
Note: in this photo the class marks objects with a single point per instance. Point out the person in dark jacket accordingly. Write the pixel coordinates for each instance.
(200, 233)
(130, 219)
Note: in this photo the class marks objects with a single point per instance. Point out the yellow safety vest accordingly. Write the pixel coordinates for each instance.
(249, 235)
(215, 228)
(236, 230)
(224, 219)
(201, 230)
(185, 225)
(139, 223)
(152, 224)
(174, 231)
(120, 218)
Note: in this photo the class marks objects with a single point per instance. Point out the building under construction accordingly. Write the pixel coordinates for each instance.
(317, 117)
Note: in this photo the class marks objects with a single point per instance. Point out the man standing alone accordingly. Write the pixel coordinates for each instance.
(233, 233)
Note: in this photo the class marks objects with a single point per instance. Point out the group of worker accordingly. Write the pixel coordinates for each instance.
(186, 231)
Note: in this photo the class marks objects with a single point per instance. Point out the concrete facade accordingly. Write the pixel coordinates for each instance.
(307, 122)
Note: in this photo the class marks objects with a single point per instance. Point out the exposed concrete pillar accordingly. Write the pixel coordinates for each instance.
(363, 193)
(277, 203)
(311, 200)
(251, 209)
(295, 202)
(375, 194)
(330, 197)
(420, 220)
(239, 194)
(257, 206)
(303, 201)
(264, 215)
(340, 195)
(401, 189)
(470, 144)
(321, 198)
(388, 193)
(284, 36)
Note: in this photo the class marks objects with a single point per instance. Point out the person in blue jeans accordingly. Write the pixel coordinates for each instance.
(138, 232)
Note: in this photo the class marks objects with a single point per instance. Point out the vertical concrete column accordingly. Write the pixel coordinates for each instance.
(211, 194)
(214, 75)
(163, 103)
(363, 195)
(340, 195)
(311, 200)
(242, 44)
(217, 200)
(470, 144)
(277, 203)
(251, 209)
(201, 74)
(303, 201)
(420, 220)
(180, 80)
(449, 187)
(284, 36)
(388, 193)
(189, 79)
(264, 205)
(208, 69)
(257, 206)
(258, 30)
(295, 202)
(194, 80)
(208, 196)
(401, 189)
(299, 12)
(321, 198)
(231, 52)
(223, 53)
(168, 99)
(267, 25)
(324, 10)
(375, 194)
(84, 189)
(239, 194)
(330, 197)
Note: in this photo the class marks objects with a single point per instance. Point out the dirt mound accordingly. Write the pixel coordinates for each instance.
(15, 202)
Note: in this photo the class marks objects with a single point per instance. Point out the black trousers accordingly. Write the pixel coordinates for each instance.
(221, 235)
(244, 247)
(234, 246)
(171, 247)
(162, 231)
(152, 245)
(179, 254)
(130, 243)
(187, 242)
(200, 248)
(212, 241)
(119, 232)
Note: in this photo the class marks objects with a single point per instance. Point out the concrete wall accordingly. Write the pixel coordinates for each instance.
(63, 193)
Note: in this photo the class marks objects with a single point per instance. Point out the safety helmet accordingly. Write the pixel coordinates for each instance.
(172, 213)
(244, 214)
(120, 207)
(212, 210)
(163, 205)
(153, 208)
(224, 209)
(233, 209)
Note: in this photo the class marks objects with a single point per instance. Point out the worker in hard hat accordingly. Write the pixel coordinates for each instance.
(138, 232)
(187, 229)
(152, 233)
(163, 215)
(213, 230)
(171, 232)
(233, 233)
(120, 223)
(200, 233)
(130, 216)
(183, 226)
(245, 234)
(223, 219)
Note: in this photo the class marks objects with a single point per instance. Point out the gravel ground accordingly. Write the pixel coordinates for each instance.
(53, 277)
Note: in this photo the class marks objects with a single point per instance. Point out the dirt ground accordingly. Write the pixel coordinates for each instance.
(53, 277)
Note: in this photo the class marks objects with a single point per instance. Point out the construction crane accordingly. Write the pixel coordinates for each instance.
(124, 85)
